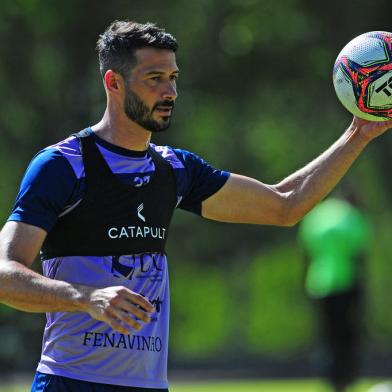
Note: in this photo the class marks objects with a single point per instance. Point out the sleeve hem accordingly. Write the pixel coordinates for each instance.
(29, 221)
(196, 207)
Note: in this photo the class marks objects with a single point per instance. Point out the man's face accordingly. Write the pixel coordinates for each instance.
(151, 89)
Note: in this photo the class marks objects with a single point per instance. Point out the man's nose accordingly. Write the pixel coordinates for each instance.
(170, 92)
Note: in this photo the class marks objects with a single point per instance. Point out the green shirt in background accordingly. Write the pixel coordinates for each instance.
(334, 233)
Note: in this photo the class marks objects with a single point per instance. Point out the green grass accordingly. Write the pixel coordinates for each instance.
(14, 388)
(235, 386)
(262, 386)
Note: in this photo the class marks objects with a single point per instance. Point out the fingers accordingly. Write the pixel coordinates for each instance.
(139, 300)
(120, 308)
(126, 306)
(136, 311)
(135, 304)
(119, 320)
(115, 325)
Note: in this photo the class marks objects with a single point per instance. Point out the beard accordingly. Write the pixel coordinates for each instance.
(136, 110)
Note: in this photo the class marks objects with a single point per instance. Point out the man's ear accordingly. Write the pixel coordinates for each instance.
(113, 81)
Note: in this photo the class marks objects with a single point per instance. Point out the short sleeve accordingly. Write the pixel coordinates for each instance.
(199, 180)
(45, 190)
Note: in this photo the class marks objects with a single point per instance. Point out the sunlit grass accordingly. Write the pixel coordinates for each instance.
(235, 386)
(262, 386)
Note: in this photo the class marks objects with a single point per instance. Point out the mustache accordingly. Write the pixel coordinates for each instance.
(166, 102)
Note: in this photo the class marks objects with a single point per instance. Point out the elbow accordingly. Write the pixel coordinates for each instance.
(291, 221)
(289, 214)
(283, 218)
(287, 219)
(293, 214)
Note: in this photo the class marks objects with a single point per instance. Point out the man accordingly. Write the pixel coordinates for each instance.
(335, 236)
(98, 206)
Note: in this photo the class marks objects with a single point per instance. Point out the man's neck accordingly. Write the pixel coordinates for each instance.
(122, 132)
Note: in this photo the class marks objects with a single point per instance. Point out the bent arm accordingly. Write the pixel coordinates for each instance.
(245, 200)
(24, 289)
(21, 287)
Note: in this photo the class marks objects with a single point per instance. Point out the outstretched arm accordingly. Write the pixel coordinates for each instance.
(246, 200)
(24, 289)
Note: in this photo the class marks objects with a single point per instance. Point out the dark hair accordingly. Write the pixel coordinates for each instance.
(117, 45)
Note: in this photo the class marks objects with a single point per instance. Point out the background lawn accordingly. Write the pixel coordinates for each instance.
(235, 386)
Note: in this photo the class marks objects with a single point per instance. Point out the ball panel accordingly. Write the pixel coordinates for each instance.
(345, 92)
(380, 93)
(366, 51)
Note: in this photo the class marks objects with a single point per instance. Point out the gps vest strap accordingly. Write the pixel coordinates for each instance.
(114, 218)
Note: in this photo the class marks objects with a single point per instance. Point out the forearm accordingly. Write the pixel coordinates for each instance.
(24, 289)
(307, 186)
(246, 200)
(119, 307)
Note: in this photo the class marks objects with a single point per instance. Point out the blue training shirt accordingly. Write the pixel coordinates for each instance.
(74, 344)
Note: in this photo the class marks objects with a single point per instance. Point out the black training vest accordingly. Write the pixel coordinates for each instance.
(113, 218)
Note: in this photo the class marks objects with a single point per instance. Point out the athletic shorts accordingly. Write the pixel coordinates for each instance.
(51, 383)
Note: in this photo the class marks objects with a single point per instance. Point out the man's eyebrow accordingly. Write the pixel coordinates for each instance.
(157, 72)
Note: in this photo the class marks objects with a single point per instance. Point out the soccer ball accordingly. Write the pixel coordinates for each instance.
(362, 76)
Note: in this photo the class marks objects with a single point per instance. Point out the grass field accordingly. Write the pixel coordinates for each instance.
(263, 386)
(235, 386)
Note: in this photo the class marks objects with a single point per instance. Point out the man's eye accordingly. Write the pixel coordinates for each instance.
(155, 78)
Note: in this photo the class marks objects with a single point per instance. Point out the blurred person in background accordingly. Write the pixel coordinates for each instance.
(98, 204)
(336, 235)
